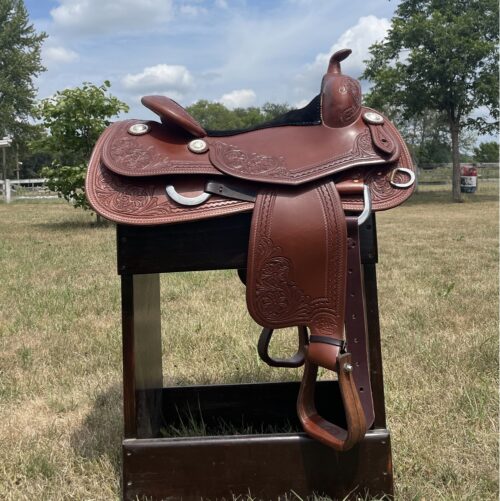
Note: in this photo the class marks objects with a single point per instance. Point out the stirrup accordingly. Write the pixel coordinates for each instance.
(296, 360)
(319, 428)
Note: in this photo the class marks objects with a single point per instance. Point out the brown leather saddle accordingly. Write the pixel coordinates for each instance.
(311, 178)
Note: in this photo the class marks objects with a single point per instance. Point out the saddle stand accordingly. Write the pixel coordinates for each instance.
(290, 203)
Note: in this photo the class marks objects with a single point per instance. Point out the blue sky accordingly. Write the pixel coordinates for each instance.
(239, 52)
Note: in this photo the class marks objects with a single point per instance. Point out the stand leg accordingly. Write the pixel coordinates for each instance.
(142, 365)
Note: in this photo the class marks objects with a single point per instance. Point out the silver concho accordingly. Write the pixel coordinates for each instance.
(373, 118)
(197, 146)
(138, 129)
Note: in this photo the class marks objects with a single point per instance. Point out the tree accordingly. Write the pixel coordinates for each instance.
(74, 119)
(441, 55)
(487, 152)
(20, 63)
(216, 116)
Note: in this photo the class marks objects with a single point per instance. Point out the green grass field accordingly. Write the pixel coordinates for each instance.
(60, 347)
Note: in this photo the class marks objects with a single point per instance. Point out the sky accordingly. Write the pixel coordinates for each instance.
(238, 52)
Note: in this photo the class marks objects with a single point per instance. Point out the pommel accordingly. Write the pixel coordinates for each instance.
(340, 94)
(336, 59)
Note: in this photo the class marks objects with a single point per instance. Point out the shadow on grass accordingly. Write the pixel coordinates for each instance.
(100, 435)
(67, 225)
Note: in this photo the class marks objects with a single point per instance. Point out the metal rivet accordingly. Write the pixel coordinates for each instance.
(198, 146)
(373, 118)
(138, 129)
(347, 368)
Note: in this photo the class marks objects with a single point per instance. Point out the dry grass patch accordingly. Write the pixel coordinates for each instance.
(60, 347)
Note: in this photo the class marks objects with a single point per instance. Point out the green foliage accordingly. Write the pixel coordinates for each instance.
(30, 161)
(432, 152)
(216, 116)
(20, 63)
(440, 55)
(74, 119)
(68, 182)
(487, 152)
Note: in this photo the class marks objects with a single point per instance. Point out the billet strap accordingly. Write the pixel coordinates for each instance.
(356, 329)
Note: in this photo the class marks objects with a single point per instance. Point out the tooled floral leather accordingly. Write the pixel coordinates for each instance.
(247, 165)
(277, 295)
(248, 162)
(132, 156)
(158, 152)
(353, 89)
(137, 202)
(341, 100)
(276, 288)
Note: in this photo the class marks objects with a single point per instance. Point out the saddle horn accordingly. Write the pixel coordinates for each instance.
(336, 59)
(340, 94)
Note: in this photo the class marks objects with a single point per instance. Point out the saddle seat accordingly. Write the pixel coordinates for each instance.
(306, 176)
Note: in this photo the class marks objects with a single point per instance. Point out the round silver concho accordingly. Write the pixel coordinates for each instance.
(197, 146)
(373, 118)
(138, 129)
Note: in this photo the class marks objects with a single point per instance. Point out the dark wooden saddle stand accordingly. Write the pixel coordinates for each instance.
(267, 465)
(290, 204)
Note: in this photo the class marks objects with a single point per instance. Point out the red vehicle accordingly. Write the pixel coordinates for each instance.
(468, 178)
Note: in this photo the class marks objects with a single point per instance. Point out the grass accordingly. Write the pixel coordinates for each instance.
(60, 347)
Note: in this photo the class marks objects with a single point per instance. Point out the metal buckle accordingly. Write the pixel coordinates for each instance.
(188, 201)
(367, 205)
(407, 172)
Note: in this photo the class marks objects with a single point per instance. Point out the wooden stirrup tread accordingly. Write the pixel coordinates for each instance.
(319, 428)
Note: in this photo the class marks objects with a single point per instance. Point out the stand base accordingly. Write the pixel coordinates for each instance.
(262, 466)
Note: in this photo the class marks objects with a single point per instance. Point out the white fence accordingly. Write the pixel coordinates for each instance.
(24, 189)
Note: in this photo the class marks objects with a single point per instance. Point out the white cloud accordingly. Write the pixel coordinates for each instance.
(367, 31)
(162, 78)
(58, 55)
(106, 16)
(192, 10)
(240, 98)
(301, 103)
(358, 38)
(221, 4)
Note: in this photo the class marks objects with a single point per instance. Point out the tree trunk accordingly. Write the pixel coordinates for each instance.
(455, 155)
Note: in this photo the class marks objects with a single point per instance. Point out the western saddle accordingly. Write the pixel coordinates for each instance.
(311, 177)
